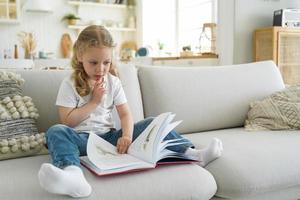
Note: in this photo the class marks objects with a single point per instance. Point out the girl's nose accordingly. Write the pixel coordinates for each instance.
(100, 68)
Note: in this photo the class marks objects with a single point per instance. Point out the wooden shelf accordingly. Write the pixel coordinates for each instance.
(185, 57)
(84, 3)
(108, 28)
(10, 21)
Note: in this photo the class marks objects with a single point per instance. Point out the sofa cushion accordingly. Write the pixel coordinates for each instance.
(207, 98)
(131, 86)
(254, 164)
(186, 181)
(42, 86)
(19, 135)
(280, 111)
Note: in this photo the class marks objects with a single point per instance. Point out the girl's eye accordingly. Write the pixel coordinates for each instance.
(93, 63)
(106, 63)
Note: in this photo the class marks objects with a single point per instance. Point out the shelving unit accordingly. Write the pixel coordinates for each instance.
(84, 3)
(109, 12)
(119, 19)
(80, 27)
(9, 11)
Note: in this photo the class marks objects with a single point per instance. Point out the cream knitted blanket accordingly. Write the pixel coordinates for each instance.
(280, 111)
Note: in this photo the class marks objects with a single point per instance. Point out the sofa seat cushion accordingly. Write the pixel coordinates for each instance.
(187, 181)
(254, 163)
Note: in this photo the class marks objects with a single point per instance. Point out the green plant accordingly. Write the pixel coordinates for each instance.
(186, 48)
(160, 45)
(70, 16)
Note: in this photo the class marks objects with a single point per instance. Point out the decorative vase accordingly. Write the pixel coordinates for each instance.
(28, 54)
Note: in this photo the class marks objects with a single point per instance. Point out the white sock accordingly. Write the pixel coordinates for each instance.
(208, 154)
(68, 181)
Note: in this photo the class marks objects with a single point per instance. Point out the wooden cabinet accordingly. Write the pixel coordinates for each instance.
(9, 11)
(282, 45)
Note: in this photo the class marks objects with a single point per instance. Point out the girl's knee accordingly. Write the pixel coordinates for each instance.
(56, 129)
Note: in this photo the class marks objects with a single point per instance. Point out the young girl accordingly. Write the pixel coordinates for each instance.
(85, 101)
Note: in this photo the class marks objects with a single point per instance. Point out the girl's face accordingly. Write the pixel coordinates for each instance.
(96, 62)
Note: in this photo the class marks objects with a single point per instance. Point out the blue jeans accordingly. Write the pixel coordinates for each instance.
(65, 144)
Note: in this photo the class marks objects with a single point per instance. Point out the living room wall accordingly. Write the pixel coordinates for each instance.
(249, 16)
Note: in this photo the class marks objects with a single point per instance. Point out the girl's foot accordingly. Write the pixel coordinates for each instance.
(68, 181)
(208, 154)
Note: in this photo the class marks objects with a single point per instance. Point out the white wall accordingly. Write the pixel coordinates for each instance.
(225, 31)
(238, 19)
(47, 27)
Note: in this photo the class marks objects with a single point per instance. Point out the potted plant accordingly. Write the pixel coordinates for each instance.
(71, 18)
(186, 51)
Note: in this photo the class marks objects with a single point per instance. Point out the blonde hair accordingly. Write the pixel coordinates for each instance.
(91, 36)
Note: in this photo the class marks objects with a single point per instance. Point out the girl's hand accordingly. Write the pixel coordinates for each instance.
(123, 144)
(98, 91)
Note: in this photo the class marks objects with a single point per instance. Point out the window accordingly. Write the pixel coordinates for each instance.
(175, 23)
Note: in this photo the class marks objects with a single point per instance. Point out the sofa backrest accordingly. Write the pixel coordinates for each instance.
(207, 98)
(43, 85)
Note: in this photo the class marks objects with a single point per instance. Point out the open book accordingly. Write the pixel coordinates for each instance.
(147, 151)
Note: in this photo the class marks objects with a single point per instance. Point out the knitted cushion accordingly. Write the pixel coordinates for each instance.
(280, 111)
(19, 136)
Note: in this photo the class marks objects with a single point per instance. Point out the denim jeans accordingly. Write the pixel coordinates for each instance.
(65, 144)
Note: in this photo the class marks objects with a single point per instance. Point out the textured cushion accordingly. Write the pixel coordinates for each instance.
(207, 98)
(255, 164)
(277, 112)
(182, 182)
(19, 135)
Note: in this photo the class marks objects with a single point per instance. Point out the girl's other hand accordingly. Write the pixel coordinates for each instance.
(123, 144)
(98, 91)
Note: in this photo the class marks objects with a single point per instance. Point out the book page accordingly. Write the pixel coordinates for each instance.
(105, 156)
(171, 154)
(100, 172)
(169, 127)
(144, 146)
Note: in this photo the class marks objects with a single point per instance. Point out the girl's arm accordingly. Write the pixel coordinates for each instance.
(127, 128)
(74, 116)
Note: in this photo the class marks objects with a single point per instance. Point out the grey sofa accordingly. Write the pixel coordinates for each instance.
(212, 102)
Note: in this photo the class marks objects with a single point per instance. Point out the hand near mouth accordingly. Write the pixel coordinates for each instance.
(98, 90)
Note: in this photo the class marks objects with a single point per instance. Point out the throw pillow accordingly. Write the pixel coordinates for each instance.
(279, 111)
(19, 135)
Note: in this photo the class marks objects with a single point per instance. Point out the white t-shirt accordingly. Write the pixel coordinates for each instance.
(100, 120)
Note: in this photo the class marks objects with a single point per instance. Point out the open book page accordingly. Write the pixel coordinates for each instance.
(165, 153)
(160, 143)
(105, 156)
(164, 130)
(144, 146)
